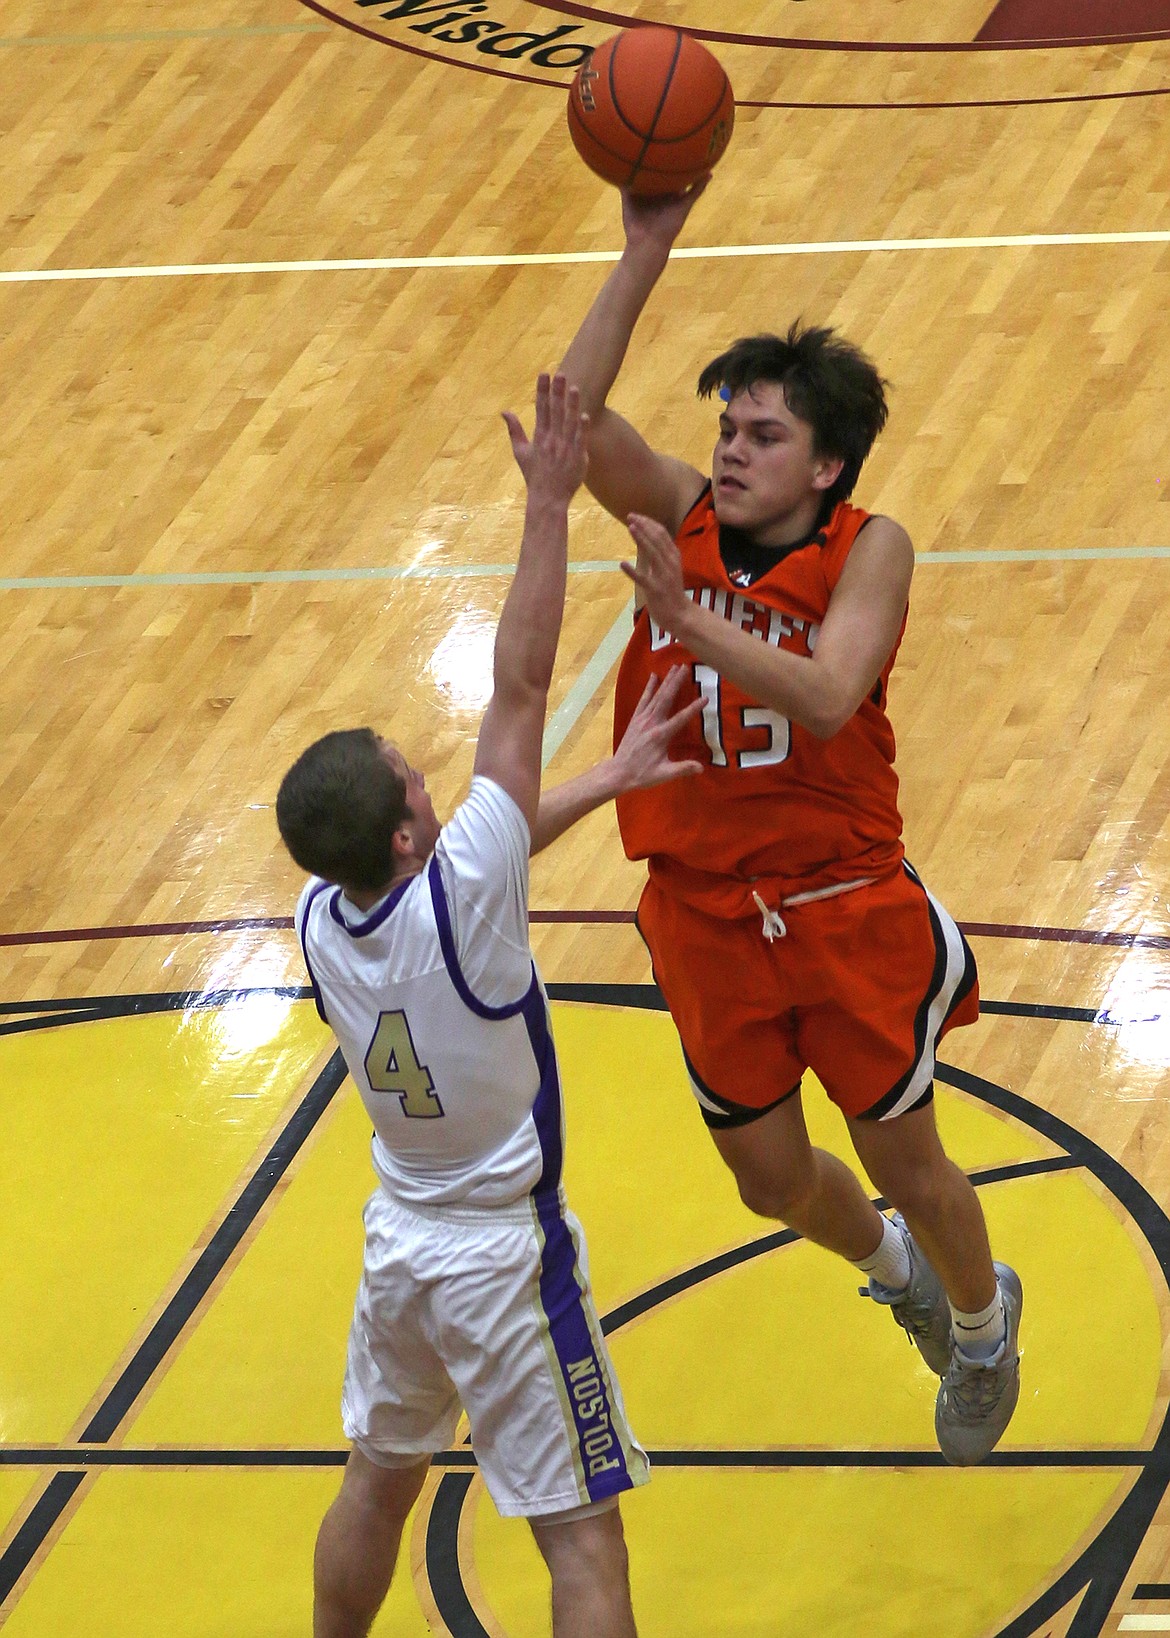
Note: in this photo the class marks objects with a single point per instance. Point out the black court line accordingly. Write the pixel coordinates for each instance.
(54, 1020)
(686, 1279)
(153, 1349)
(73, 1456)
(649, 998)
(152, 1001)
(27, 1016)
(33, 1015)
(42, 1519)
(442, 1558)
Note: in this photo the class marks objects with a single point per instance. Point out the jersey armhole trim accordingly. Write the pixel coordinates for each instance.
(836, 566)
(451, 958)
(303, 936)
(703, 495)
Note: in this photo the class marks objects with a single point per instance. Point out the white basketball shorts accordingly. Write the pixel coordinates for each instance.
(491, 1311)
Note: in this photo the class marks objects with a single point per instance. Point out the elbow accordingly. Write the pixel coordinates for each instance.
(824, 726)
(826, 717)
(523, 693)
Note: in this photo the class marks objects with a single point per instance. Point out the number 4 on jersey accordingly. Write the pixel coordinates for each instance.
(392, 1066)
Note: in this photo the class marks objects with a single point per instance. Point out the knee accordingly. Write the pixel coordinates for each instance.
(588, 1552)
(918, 1192)
(779, 1194)
(382, 1495)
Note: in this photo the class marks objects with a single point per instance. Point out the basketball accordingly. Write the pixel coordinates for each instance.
(652, 110)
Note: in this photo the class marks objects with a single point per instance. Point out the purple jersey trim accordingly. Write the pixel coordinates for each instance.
(376, 917)
(451, 957)
(303, 936)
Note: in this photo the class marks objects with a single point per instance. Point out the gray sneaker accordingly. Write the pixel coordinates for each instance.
(976, 1397)
(922, 1309)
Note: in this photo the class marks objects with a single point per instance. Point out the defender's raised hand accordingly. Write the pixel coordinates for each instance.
(555, 458)
(643, 758)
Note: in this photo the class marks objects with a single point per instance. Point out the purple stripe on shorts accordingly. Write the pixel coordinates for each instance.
(585, 1375)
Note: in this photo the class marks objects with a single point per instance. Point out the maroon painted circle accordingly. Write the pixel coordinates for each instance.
(597, 14)
(617, 19)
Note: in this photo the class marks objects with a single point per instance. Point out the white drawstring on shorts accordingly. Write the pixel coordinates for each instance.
(774, 926)
(774, 923)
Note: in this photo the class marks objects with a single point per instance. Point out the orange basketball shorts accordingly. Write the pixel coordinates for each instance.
(859, 989)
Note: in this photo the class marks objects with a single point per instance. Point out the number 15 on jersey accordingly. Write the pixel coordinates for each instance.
(779, 730)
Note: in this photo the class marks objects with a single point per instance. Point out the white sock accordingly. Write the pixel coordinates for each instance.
(889, 1265)
(979, 1335)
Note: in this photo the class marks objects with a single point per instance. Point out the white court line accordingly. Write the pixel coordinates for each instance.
(383, 264)
(472, 571)
(609, 650)
(1058, 554)
(568, 713)
(147, 35)
(280, 577)
(1145, 1623)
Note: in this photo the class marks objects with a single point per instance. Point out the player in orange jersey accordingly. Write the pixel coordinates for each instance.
(786, 930)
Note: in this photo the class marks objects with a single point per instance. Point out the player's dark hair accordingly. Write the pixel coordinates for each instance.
(338, 808)
(826, 381)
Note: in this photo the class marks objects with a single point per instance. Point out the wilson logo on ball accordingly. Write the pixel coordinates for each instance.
(652, 110)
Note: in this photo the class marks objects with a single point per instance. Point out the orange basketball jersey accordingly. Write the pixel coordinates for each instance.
(775, 810)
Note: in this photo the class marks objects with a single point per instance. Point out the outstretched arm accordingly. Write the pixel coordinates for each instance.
(625, 474)
(643, 758)
(553, 462)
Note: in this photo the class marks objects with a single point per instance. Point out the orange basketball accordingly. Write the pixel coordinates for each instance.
(651, 110)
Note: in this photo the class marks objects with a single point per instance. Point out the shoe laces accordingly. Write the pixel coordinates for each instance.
(974, 1387)
(914, 1314)
(916, 1318)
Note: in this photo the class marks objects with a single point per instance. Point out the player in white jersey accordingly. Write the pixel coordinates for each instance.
(475, 1291)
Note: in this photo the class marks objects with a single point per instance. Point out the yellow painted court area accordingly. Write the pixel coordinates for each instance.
(776, 1356)
(125, 1139)
(198, 1553)
(789, 1554)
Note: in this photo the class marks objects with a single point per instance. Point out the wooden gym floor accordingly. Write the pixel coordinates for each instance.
(269, 274)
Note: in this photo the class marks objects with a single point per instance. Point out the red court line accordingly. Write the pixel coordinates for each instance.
(1067, 935)
(150, 929)
(581, 918)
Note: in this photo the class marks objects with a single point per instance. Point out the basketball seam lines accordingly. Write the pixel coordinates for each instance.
(649, 138)
(685, 136)
(656, 170)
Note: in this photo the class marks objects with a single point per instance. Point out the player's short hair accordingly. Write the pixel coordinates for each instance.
(826, 381)
(338, 808)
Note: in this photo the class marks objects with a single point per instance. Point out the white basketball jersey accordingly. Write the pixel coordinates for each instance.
(441, 1016)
